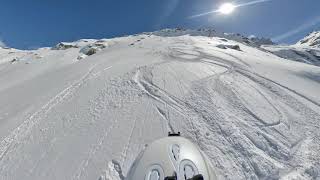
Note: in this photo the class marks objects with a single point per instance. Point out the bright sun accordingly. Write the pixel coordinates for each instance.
(226, 8)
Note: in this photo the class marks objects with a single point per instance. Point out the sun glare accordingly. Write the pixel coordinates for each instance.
(227, 8)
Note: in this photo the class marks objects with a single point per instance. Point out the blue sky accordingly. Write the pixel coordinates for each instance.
(28, 24)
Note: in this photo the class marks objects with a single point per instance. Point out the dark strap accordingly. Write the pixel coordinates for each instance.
(171, 178)
(196, 177)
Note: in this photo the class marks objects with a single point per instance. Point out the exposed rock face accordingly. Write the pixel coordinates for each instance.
(64, 46)
(226, 46)
(91, 49)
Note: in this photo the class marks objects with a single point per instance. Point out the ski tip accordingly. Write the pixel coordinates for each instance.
(173, 134)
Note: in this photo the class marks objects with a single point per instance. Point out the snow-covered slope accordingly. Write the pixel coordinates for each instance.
(257, 116)
(306, 50)
(313, 40)
(297, 53)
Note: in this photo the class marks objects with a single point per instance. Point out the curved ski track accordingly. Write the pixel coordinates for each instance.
(274, 149)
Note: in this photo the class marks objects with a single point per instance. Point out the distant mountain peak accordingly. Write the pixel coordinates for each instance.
(313, 39)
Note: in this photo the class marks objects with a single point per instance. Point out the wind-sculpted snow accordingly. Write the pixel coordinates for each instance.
(254, 115)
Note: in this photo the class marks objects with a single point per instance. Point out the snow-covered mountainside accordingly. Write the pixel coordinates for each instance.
(250, 41)
(306, 50)
(313, 40)
(84, 110)
(297, 53)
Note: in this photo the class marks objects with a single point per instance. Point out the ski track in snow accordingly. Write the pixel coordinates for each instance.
(234, 69)
(23, 130)
(126, 147)
(93, 150)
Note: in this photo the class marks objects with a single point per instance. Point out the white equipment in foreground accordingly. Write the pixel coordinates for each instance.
(171, 158)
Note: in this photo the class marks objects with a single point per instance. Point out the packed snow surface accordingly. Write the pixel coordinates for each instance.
(256, 115)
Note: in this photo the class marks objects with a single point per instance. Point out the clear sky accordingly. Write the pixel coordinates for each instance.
(28, 24)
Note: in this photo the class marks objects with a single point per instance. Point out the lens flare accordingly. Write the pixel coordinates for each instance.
(226, 8)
